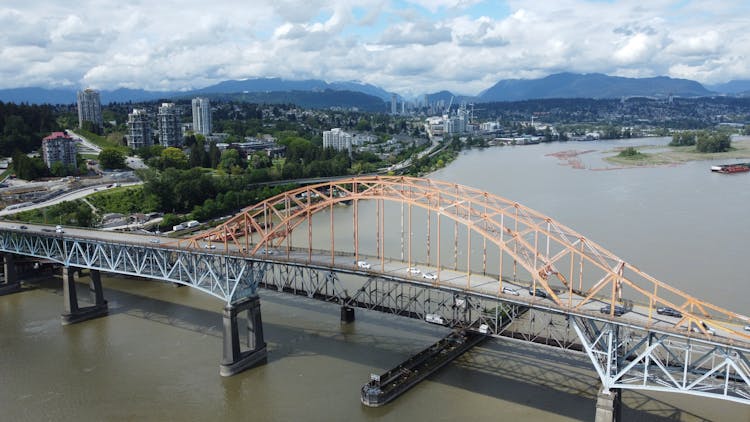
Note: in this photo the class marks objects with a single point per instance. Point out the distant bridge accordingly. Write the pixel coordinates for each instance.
(422, 247)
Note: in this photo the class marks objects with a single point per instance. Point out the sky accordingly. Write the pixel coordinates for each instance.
(409, 47)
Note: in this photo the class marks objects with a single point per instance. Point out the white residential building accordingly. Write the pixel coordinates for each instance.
(170, 134)
(202, 116)
(337, 139)
(139, 129)
(59, 147)
(89, 108)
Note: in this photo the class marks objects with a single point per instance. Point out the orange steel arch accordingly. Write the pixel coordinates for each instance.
(557, 259)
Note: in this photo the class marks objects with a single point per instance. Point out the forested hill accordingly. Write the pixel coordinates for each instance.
(310, 99)
(22, 127)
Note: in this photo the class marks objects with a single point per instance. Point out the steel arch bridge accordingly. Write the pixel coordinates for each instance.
(427, 246)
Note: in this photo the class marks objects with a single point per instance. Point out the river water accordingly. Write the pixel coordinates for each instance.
(155, 357)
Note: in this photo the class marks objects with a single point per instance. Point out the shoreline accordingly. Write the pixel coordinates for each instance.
(667, 157)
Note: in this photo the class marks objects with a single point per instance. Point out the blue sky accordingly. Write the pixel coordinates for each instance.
(406, 46)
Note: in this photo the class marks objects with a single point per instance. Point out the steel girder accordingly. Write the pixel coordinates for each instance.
(629, 357)
(229, 278)
(413, 300)
(623, 355)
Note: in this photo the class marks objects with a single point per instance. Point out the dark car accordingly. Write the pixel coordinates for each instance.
(22, 227)
(618, 311)
(538, 293)
(666, 310)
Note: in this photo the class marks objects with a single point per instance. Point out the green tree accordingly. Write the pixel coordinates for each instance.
(111, 158)
(173, 157)
(710, 142)
(230, 158)
(684, 138)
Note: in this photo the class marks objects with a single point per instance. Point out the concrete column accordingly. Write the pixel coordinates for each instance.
(75, 313)
(609, 405)
(95, 288)
(347, 314)
(234, 359)
(11, 284)
(70, 295)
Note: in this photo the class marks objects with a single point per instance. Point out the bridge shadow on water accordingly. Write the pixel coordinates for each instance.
(528, 374)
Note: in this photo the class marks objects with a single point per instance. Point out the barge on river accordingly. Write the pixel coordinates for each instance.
(731, 168)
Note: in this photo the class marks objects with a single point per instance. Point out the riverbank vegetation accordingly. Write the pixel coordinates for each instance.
(672, 155)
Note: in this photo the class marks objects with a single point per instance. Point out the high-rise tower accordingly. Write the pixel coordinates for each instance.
(139, 129)
(89, 108)
(201, 116)
(170, 134)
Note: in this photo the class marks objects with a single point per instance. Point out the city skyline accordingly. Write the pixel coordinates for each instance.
(405, 46)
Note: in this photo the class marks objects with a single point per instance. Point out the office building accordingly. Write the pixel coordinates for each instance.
(337, 139)
(139, 129)
(58, 147)
(394, 110)
(170, 133)
(89, 108)
(202, 116)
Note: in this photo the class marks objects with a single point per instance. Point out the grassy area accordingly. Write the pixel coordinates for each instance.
(109, 141)
(677, 155)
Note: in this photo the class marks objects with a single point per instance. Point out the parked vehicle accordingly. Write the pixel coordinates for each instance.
(666, 310)
(618, 311)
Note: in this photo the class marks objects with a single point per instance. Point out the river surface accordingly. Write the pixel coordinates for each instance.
(156, 356)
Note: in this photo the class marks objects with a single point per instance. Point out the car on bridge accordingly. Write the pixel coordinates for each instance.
(618, 310)
(22, 227)
(509, 291)
(538, 293)
(364, 265)
(666, 310)
(413, 270)
(59, 229)
(429, 276)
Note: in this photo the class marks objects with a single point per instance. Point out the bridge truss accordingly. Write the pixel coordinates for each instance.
(258, 248)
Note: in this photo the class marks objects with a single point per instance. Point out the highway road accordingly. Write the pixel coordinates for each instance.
(68, 196)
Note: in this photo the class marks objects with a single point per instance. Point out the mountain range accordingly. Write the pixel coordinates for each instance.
(370, 97)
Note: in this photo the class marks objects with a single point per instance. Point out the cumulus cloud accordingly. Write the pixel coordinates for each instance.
(402, 45)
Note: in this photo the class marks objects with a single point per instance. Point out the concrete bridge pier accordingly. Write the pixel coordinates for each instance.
(235, 359)
(73, 312)
(609, 405)
(11, 283)
(347, 314)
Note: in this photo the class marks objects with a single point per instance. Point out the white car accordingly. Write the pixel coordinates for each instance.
(207, 246)
(509, 291)
(59, 229)
(429, 276)
(154, 240)
(413, 270)
(364, 265)
(747, 328)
